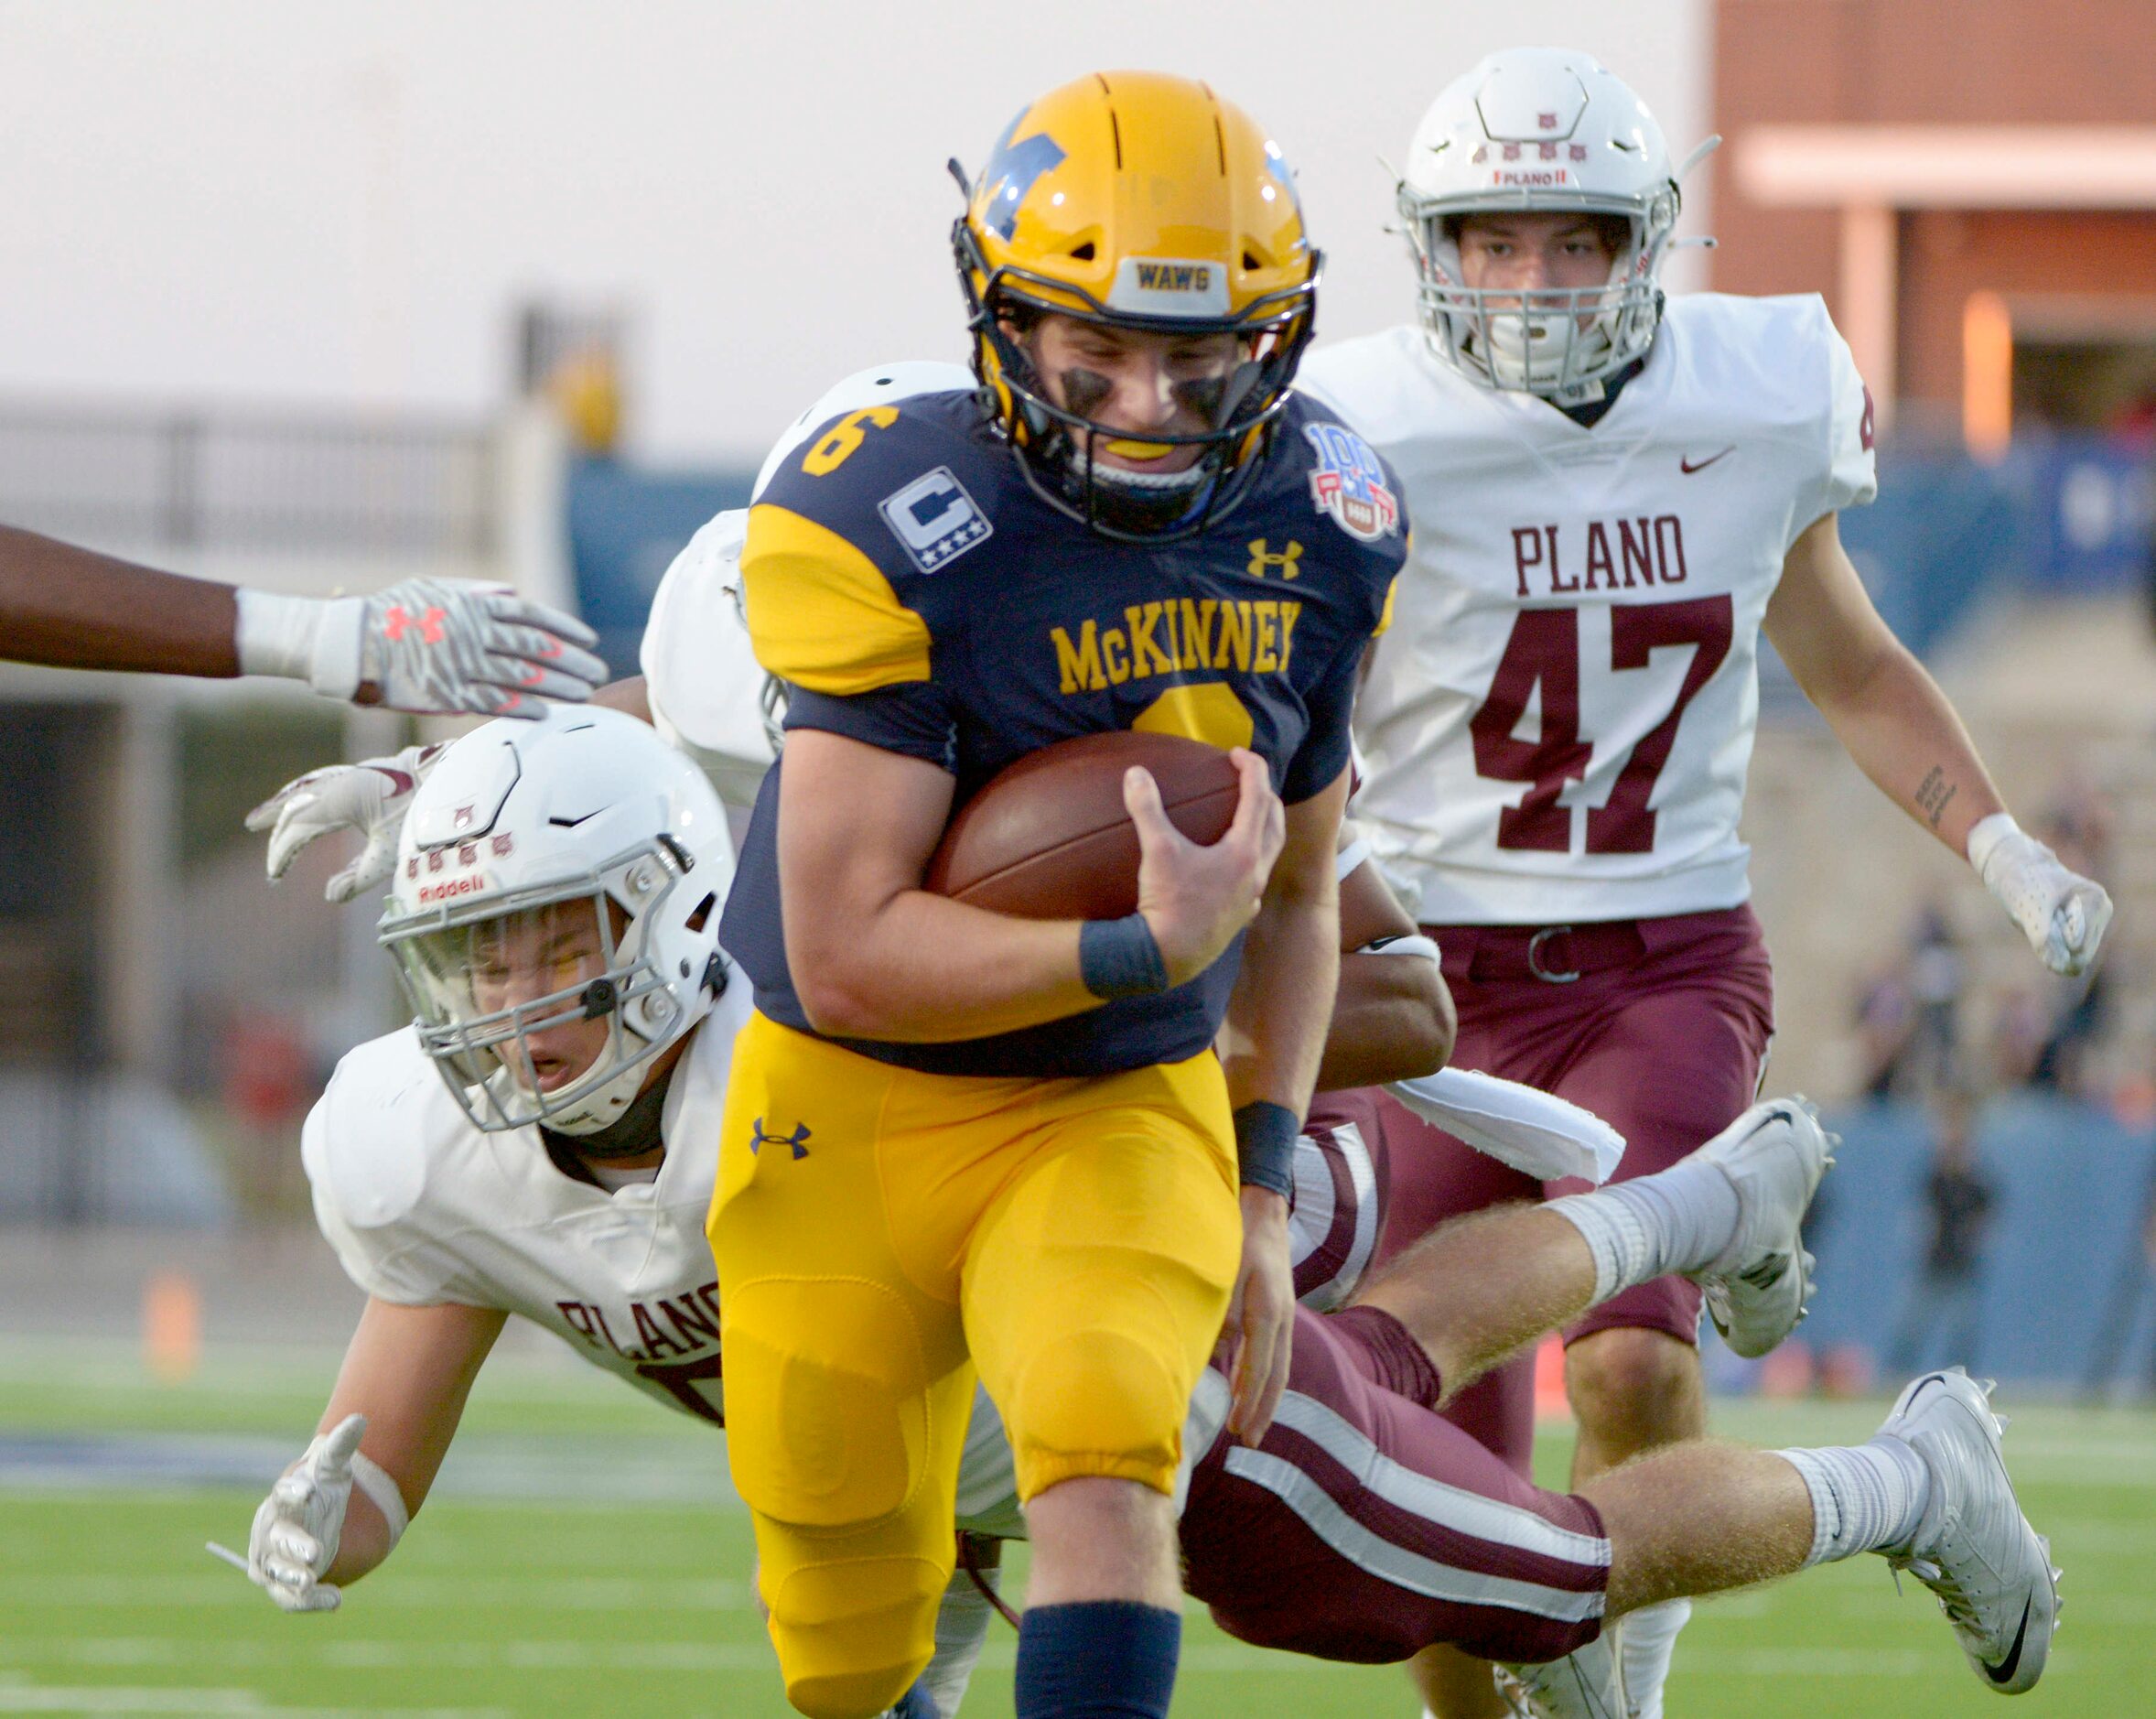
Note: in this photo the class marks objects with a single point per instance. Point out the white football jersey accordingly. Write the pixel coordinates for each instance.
(422, 1207)
(1558, 724)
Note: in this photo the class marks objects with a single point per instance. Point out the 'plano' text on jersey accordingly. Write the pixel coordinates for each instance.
(1610, 555)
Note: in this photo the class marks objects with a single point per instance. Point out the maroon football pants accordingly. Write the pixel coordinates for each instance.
(1366, 1527)
(1663, 1032)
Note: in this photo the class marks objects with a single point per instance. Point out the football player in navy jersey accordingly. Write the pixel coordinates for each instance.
(957, 1139)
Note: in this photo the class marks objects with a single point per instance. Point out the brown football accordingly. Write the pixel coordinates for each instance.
(1047, 838)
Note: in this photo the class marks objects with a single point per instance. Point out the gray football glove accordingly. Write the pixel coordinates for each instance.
(434, 647)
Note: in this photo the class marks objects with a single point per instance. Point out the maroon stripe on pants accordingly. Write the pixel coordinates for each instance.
(1274, 1580)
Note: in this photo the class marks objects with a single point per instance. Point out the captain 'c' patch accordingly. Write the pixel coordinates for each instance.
(934, 519)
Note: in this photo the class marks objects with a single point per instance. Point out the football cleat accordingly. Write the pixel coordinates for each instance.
(1761, 1286)
(1587, 1683)
(1974, 1548)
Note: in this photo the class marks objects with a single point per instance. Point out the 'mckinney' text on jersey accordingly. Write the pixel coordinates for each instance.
(1557, 726)
(917, 595)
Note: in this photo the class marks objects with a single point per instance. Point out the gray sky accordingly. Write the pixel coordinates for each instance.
(237, 201)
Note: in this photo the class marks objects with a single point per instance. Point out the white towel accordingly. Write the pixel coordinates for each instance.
(1537, 1133)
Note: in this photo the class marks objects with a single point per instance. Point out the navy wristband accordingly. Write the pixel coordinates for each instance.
(1266, 1134)
(1118, 958)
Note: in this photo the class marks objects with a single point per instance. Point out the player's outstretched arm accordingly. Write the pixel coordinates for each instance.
(432, 646)
(339, 1511)
(1392, 1017)
(1889, 714)
(875, 956)
(1272, 1043)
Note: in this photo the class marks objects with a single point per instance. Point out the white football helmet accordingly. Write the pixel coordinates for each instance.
(1539, 129)
(553, 875)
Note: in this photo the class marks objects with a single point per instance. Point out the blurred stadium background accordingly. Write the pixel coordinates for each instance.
(318, 300)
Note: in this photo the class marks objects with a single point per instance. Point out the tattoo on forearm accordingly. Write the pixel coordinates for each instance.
(1934, 794)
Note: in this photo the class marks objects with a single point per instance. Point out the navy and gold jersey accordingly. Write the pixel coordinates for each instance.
(916, 595)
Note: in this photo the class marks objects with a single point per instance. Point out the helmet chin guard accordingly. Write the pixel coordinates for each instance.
(555, 915)
(1539, 129)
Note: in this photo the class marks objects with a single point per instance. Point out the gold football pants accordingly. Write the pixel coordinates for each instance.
(881, 1233)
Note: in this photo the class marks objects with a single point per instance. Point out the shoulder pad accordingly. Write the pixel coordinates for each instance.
(370, 1136)
(912, 485)
(844, 538)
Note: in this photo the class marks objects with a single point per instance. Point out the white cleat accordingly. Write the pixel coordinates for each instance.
(1586, 1684)
(1759, 1289)
(1975, 1549)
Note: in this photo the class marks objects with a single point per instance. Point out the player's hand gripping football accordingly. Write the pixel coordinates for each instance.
(371, 797)
(1261, 1316)
(1196, 899)
(2063, 913)
(299, 1526)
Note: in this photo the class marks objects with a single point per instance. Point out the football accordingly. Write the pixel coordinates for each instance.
(1048, 836)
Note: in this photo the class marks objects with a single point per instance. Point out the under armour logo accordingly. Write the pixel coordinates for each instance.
(400, 620)
(1262, 558)
(757, 1139)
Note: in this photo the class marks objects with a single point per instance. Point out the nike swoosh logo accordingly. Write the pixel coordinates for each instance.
(1688, 466)
(2003, 1672)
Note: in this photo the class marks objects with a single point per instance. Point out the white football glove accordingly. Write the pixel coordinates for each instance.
(298, 1527)
(2062, 914)
(435, 647)
(371, 797)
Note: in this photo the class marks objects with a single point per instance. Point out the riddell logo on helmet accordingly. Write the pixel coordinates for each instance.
(471, 883)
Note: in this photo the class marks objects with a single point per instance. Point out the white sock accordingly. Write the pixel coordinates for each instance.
(1865, 1497)
(1680, 1219)
(1646, 1643)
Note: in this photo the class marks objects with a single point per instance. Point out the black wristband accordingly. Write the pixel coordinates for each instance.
(1265, 1146)
(1118, 958)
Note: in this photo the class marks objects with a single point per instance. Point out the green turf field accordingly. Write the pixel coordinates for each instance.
(583, 1556)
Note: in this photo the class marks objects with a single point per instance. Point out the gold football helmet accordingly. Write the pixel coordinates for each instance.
(1139, 201)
